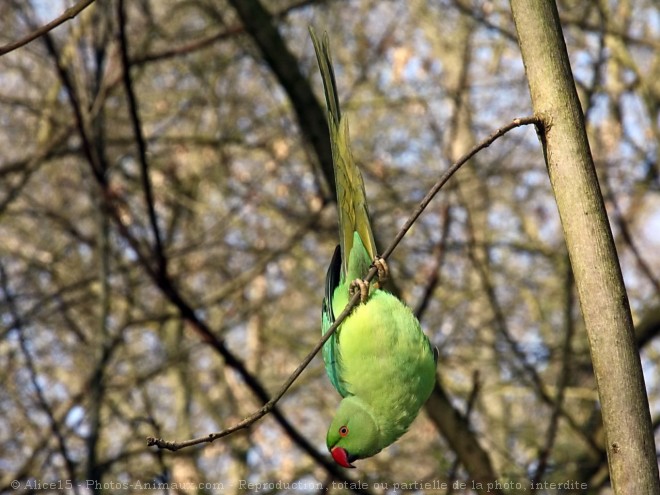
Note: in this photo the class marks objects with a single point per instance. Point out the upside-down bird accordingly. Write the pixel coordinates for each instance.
(379, 359)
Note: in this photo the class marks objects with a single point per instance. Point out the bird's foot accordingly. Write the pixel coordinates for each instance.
(383, 271)
(359, 285)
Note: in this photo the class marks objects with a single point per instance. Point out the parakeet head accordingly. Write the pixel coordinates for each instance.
(353, 433)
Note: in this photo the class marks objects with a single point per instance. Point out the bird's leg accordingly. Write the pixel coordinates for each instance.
(383, 271)
(359, 284)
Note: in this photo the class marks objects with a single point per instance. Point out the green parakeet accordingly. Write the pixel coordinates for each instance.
(379, 359)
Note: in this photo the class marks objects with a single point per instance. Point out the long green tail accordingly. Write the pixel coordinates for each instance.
(351, 198)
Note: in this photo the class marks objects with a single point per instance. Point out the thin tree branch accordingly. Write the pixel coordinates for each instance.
(161, 260)
(81, 117)
(485, 143)
(270, 404)
(68, 14)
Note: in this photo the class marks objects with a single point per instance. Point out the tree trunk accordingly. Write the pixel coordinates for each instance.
(625, 409)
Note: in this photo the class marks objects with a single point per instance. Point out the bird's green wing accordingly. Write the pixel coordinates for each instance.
(331, 348)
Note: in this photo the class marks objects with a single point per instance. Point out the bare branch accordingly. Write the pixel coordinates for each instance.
(68, 14)
(139, 139)
(485, 143)
(268, 406)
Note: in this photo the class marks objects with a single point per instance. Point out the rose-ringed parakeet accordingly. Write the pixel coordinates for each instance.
(379, 359)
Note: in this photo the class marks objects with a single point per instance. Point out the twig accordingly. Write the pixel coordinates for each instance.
(485, 143)
(68, 14)
(260, 413)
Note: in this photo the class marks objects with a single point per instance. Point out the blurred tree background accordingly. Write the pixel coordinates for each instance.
(165, 232)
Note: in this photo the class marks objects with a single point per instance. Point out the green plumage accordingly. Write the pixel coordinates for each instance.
(379, 359)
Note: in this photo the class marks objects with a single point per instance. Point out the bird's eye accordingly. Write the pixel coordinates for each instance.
(343, 431)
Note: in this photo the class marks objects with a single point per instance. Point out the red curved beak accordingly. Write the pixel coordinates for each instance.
(341, 457)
